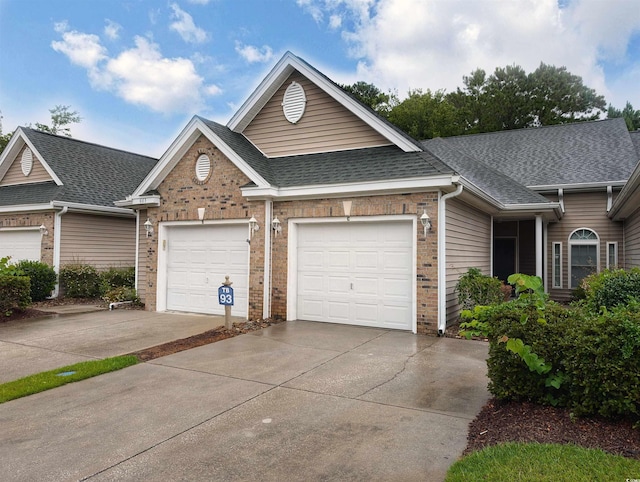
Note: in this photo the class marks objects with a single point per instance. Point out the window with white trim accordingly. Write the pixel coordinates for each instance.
(584, 251)
(557, 265)
(612, 254)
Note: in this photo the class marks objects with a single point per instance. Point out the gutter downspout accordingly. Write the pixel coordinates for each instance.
(442, 259)
(266, 298)
(57, 232)
(137, 260)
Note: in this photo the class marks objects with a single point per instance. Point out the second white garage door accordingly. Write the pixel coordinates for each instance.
(198, 259)
(20, 244)
(356, 273)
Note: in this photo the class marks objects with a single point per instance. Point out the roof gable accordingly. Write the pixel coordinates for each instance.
(289, 64)
(10, 160)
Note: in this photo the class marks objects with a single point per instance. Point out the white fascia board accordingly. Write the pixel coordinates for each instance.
(278, 75)
(355, 189)
(93, 209)
(13, 148)
(625, 203)
(590, 186)
(26, 208)
(179, 148)
(140, 201)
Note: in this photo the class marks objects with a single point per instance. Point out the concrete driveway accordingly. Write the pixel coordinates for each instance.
(296, 401)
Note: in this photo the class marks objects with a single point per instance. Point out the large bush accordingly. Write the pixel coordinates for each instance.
(14, 293)
(43, 278)
(611, 288)
(80, 281)
(475, 288)
(117, 278)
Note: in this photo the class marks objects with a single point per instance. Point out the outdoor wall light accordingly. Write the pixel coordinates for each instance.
(346, 205)
(275, 224)
(148, 227)
(43, 230)
(253, 226)
(426, 221)
(201, 215)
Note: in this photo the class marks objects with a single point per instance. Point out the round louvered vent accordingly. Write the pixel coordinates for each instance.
(294, 102)
(203, 167)
(27, 161)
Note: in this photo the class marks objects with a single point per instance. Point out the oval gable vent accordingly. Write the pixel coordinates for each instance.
(203, 167)
(294, 102)
(27, 161)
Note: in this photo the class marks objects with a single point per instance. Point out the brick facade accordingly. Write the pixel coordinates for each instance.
(34, 220)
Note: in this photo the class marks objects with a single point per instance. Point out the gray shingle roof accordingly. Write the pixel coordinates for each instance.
(357, 165)
(586, 152)
(635, 138)
(90, 173)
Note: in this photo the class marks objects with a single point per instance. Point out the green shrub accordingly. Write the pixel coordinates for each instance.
(121, 293)
(79, 281)
(475, 288)
(14, 293)
(601, 358)
(117, 277)
(8, 269)
(611, 288)
(43, 278)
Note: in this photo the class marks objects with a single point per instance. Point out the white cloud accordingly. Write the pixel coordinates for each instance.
(254, 54)
(112, 29)
(139, 75)
(185, 27)
(199, 2)
(433, 43)
(335, 22)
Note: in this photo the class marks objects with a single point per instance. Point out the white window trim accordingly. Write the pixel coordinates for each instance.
(571, 242)
(615, 248)
(553, 266)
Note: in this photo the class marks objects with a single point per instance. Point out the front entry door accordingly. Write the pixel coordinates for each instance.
(504, 258)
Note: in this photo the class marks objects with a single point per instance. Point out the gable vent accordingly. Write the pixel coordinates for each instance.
(294, 102)
(26, 162)
(203, 167)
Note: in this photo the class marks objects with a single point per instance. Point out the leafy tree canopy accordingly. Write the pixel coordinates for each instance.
(61, 117)
(630, 116)
(372, 96)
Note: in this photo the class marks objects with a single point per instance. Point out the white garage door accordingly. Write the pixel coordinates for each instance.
(20, 244)
(356, 273)
(198, 259)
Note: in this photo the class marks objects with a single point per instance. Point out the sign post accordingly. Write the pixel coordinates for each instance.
(225, 298)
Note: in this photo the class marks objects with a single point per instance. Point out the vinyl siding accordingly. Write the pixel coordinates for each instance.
(15, 176)
(325, 126)
(100, 241)
(631, 241)
(468, 245)
(582, 210)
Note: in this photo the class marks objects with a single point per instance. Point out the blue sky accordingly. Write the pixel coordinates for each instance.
(138, 70)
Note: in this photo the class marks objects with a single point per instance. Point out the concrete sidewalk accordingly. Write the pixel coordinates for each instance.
(296, 401)
(34, 345)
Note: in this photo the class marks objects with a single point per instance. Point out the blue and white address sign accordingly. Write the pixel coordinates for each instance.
(225, 295)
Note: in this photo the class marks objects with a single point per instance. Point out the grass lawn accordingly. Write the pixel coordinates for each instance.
(520, 462)
(61, 376)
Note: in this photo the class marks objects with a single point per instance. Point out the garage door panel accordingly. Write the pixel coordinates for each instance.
(20, 244)
(366, 271)
(198, 259)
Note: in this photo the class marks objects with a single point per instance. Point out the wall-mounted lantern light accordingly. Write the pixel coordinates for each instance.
(346, 205)
(277, 228)
(426, 221)
(148, 227)
(253, 226)
(43, 230)
(201, 215)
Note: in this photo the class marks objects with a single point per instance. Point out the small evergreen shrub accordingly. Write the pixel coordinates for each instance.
(14, 293)
(43, 278)
(121, 293)
(475, 288)
(117, 277)
(611, 288)
(79, 281)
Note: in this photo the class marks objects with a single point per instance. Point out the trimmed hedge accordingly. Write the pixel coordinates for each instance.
(611, 288)
(475, 288)
(79, 281)
(117, 278)
(43, 278)
(14, 293)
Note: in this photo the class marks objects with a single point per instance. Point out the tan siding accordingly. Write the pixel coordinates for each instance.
(100, 241)
(582, 210)
(141, 269)
(325, 126)
(631, 241)
(468, 245)
(14, 174)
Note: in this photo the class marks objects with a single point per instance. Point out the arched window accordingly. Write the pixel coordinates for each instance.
(584, 255)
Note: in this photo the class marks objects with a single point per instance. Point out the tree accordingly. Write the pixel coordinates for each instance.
(426, 115)
(4, 138)
(630, 116)
(372, 96)
(61, 117)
